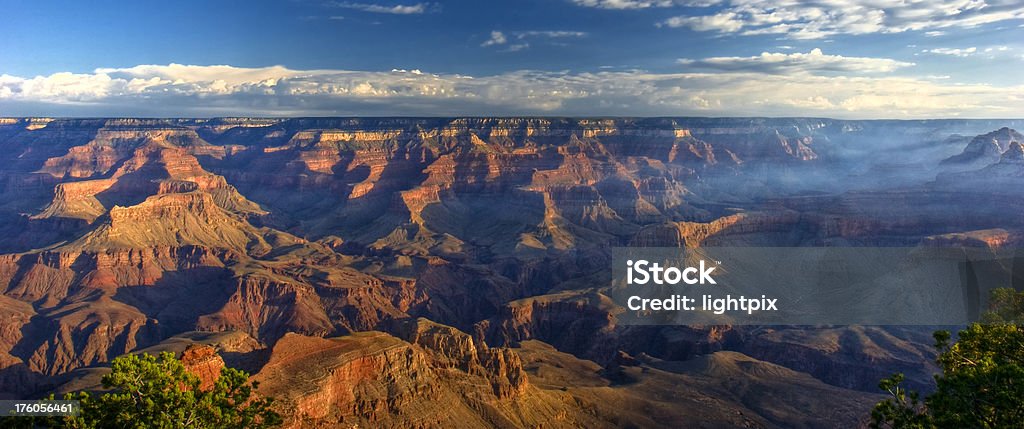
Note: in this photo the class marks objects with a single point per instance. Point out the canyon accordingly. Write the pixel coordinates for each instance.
(366, 270)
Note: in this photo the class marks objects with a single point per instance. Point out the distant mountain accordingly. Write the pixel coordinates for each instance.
(983, 150)
(993, 162)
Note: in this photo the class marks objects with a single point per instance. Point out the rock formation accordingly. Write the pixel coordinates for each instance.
(204, 362)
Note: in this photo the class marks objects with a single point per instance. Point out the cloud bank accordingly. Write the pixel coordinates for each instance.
(813, 61)
(815, 19)
(749, 86)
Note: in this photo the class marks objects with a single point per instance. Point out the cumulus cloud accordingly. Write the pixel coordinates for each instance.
(401, 9)
(814, 19)
(178, 90)
(497, 38)
(813, 61)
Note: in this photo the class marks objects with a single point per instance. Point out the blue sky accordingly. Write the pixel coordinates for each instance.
(854, 58)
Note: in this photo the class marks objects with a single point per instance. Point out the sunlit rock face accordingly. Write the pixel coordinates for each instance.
(465, 258)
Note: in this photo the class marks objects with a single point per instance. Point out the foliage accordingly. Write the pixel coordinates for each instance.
(157, 392)
(982, 380)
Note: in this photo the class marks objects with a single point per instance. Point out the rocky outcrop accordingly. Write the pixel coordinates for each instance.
(451, 348)
(726, 229)
(268, 309)
(365, 377)
(150, 165)
(191, 218)
(204, 362)
(372, 378)
(574, 322)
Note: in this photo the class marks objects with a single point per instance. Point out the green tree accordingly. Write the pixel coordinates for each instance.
(982, 379)
(157, 392)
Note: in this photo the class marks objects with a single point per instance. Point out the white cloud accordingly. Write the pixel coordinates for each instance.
(727, 22)
(176, 74)
(561, 34)
(410, 9)
(813, 61)
(177, 90)
(497, 38)
(815, 19)
(955, 52)
(991, 52)
(643, 4)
